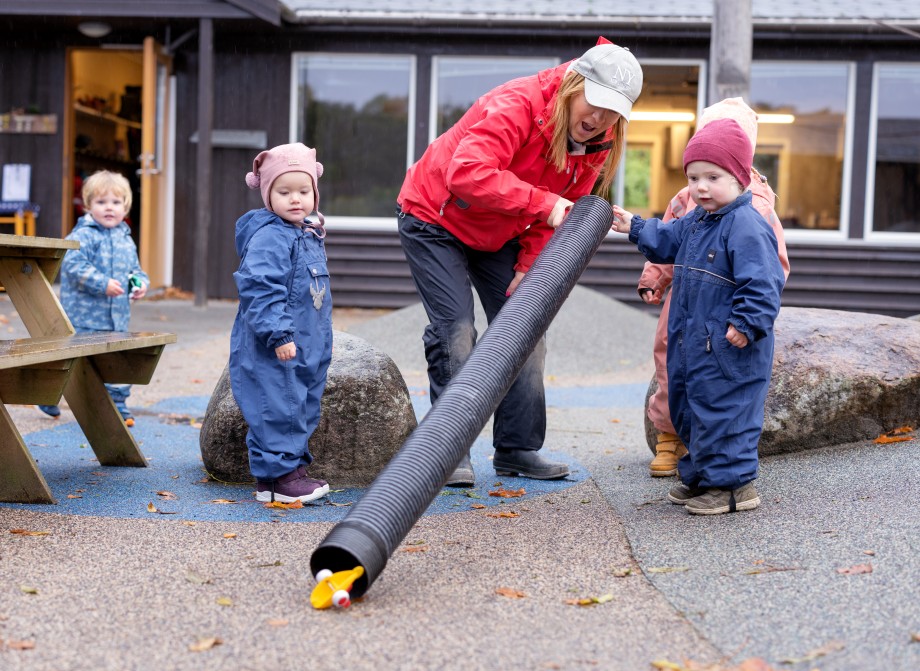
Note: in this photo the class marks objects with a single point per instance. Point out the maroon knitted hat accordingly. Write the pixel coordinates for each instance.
(723, 143)
(272, 163)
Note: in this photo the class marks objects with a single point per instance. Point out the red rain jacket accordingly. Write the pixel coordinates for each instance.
(487, 180)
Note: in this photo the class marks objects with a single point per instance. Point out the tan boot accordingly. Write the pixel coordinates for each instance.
(668, 452)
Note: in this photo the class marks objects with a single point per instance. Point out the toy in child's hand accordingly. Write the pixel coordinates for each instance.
(134, 285)
(332, 589)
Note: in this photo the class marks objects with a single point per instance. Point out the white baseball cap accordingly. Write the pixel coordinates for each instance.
(613, 77)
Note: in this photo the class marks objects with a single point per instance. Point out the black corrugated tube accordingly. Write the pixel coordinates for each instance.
(416, 474)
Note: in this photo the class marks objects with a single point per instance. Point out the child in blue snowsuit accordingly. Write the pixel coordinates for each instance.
(726, 296)
(96, 279)
(281, 343)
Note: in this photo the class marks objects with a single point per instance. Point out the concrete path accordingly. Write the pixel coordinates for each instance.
(118, 587)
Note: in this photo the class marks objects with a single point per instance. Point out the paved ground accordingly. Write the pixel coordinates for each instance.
(113, 586)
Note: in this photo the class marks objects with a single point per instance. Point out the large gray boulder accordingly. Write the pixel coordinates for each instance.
(366, 417)
(838, 377)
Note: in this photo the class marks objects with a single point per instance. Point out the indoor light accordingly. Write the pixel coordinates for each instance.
(775, 118)
(95, 29)
(662, 116)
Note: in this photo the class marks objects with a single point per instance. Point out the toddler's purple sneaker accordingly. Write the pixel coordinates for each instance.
(295, 486)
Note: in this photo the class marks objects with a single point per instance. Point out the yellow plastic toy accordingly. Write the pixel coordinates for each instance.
(332, 589)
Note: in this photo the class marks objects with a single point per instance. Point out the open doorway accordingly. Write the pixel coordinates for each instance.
(120, 120)
(105, 87)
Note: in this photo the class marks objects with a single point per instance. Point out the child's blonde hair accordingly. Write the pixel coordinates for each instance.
(571, 86)
(104, 181)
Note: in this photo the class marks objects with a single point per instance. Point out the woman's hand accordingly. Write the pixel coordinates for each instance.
(736, 337)
(559, 212)
(622, 220)
(286, 351)
(518, 276)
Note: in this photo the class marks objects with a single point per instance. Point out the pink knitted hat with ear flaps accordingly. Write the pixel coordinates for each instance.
(272, 163)
(723, 143)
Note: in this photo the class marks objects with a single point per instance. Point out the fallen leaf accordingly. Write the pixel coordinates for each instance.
(229, 501)
(167, 496)
(26, 532)
(277, 623)
(416, 542)
(897, 435)
(665, 665)
(833, 646)
(871, 553)
(667, 569)
(189, 523)
(915, 638)
(25, 589)
(615, 421)
(477, 506)
(223, 601)
(417, 548)
(229, 535)
(98, 473)
(621, 572)
(204, 644)
(510, 593)
(74, 496)
(279, 504)
(277, 562)
(508, 493)
(506, 513)
(20, 645)
(151, 508)
(856, 569)
(590, 600)
(339, 505)
(772, 569)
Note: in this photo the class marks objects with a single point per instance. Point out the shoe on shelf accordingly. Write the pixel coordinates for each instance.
(50, 410)
(668, 452)
(295, 486)
(680, 493)
(463, 475)
(719, 501)
(528, 464)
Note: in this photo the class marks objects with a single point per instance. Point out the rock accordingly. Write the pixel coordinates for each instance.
(838, 377)
(366, 415)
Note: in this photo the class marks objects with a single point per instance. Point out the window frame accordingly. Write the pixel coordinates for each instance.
(350, 222)
(841, 234)
(870, 234)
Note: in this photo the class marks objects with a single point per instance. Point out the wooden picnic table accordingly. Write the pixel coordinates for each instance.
(54, 361)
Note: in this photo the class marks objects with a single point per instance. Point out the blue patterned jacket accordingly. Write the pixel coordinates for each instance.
(105, 253)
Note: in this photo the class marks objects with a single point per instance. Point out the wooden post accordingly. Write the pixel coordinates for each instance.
(730, 50)
(203, 177)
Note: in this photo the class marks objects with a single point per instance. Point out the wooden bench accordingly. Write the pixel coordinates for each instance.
(41, 370)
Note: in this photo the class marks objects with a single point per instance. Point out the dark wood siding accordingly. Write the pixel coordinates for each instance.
(369, 270)
(32, 75)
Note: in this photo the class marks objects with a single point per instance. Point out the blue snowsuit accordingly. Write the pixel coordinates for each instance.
(104, 254)
(285, 297)
(726, 271)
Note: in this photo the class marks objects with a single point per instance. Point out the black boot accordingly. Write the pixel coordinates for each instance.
(528, 464)
(463, 475)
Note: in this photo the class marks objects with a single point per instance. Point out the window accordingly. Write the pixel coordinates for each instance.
(457, 81)
(893, 187)
(357, 110)
(804, 115)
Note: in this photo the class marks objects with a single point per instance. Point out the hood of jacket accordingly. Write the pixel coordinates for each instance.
(249, 223)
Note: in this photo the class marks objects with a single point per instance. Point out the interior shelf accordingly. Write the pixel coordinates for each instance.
(82, 109)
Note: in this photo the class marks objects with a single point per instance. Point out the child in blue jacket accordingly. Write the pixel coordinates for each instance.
(101, 278)
(726, 296)
(281, 343)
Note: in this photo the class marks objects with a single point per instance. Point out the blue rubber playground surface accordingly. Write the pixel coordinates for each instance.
(175, 485)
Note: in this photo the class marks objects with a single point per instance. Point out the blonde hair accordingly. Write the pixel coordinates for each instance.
(102, 182)
(572, 85)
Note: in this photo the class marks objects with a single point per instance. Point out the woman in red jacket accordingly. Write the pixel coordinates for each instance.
(482, 202)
